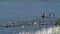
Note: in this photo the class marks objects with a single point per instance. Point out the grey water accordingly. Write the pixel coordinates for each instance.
(24, 10)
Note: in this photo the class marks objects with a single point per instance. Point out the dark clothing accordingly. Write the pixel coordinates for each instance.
(43, 16)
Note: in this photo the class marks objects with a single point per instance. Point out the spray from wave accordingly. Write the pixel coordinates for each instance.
(52, 30)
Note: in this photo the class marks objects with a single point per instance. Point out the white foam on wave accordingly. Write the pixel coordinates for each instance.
(53, 30)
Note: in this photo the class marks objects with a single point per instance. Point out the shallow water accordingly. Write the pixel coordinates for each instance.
(24, 11)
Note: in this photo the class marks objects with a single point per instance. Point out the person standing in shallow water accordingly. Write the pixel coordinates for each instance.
(43, 19)
(52, 18)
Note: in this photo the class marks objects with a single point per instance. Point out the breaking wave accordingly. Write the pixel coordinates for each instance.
(52, 30)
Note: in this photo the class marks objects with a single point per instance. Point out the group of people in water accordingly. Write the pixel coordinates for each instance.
(44, 14)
